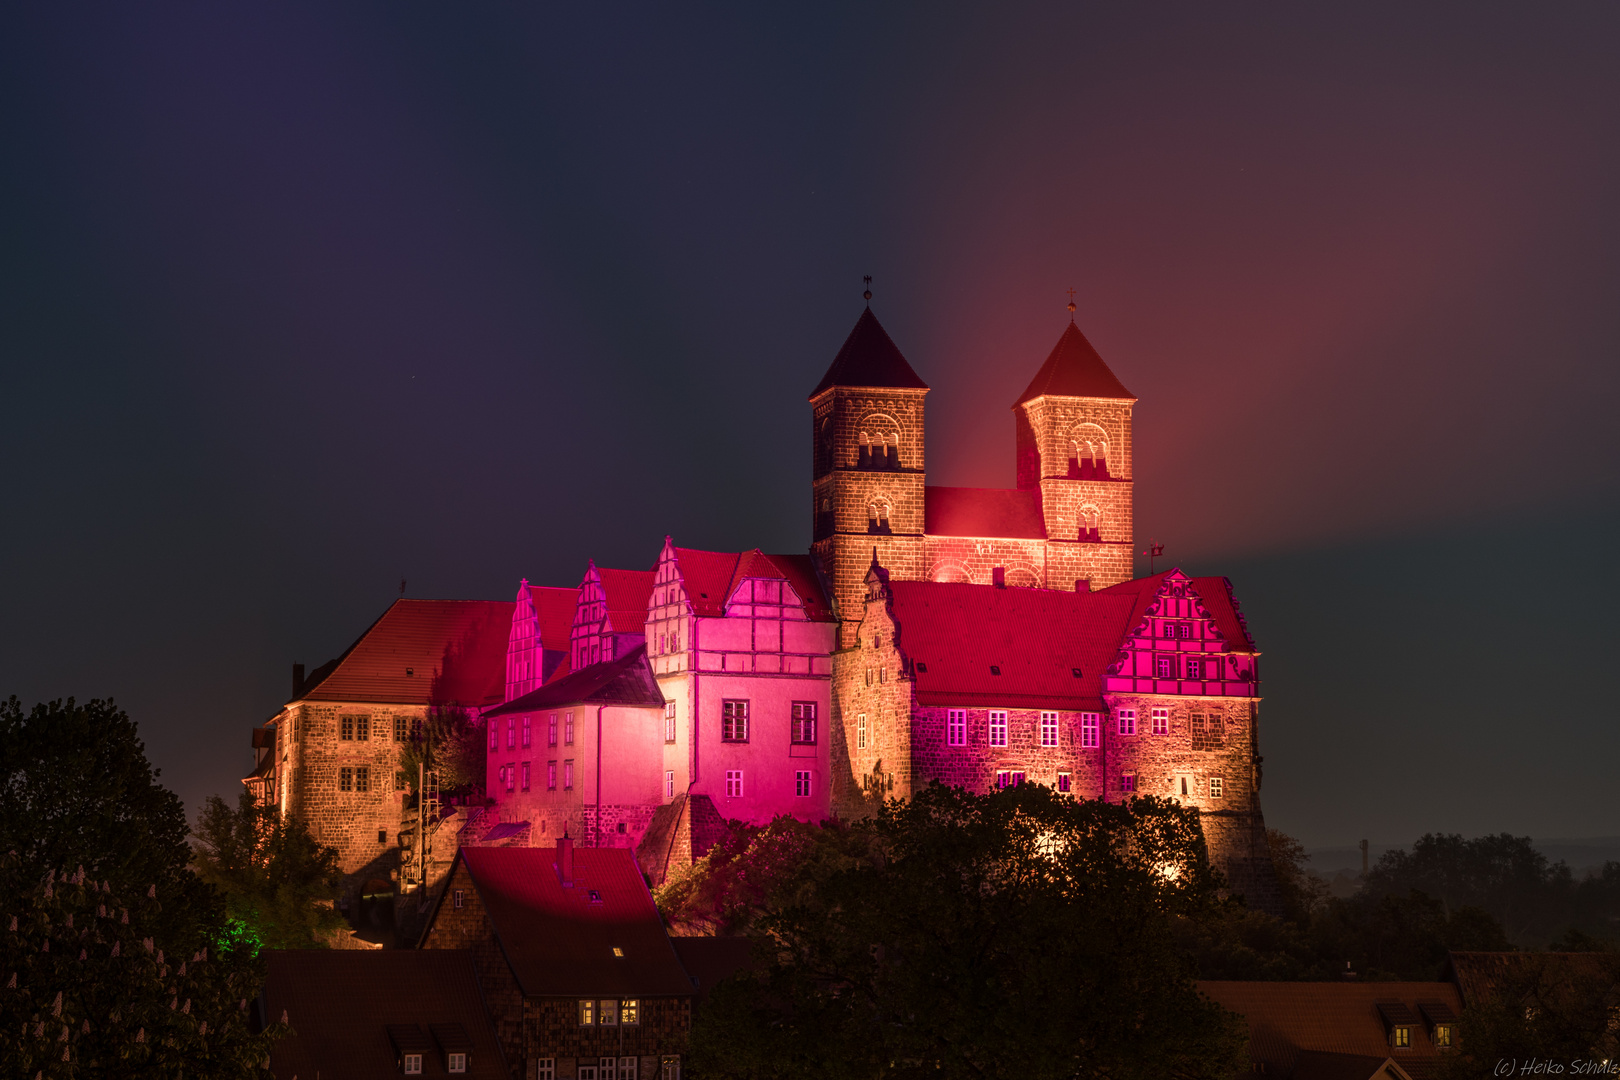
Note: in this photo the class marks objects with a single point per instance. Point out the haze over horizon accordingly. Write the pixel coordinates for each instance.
(300, 301)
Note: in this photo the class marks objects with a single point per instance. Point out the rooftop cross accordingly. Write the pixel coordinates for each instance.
(1071, 305)
(868, 293)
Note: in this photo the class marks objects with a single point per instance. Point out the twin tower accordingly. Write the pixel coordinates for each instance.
(1067, 525)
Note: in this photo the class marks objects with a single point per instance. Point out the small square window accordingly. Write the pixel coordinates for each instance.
(995, 669)
(801, 783)
(594, 896)
(1075, 671)
(610, 1014)
(1063, 783)
(1216, 787)
(1127, 782)
(922, 668)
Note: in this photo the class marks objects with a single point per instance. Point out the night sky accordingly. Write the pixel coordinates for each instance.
(299, 301)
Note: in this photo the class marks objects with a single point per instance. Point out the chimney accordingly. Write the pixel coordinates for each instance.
(298, 680)
(998, 576)
(1082, 584)
(565, 860)
(1364, 858)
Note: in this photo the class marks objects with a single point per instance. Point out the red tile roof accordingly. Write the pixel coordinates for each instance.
(1036, 637)
(559, 942)
(1074, 370)
(342, 1002)
(953, 511)
(422, 652)
(707, 577)
(712, 576)
(1215, 592)
(869, 358)
(554, 608)
(626, 593)
(627, 680)
(1479, 975)
(1318, 1026)
(800, 572)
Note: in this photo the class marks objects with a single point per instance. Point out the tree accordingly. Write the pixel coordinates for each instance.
(76, 789)
(952, 935)
(450, 741)
(87, 991)
(280, 885)
(1557, 1007)
(1302, 895)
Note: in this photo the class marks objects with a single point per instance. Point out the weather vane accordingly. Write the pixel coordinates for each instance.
(1155, 549)
(1071, 305)
(868, 293)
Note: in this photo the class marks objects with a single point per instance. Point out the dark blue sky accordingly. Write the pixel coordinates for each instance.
(295, 301)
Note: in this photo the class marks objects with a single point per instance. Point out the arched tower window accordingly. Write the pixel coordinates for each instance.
(1088, 453)
(879, 443)
(877, 517)
(1090, 523)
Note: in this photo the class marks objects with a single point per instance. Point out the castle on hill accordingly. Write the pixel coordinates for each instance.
(977, 637)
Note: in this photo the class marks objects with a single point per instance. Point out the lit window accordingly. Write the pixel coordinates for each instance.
(669, 783)
(610, 1014)
(956, 727)
(1215, 787)
(457, 1063)
(860, 732)
(1161, 721)
(734, 721)
(526, 732)
(630, 1012)
(1063, 782)
(998, 727)
(734, 783)
(362, 778)
(525, 776)
(546, 1069)
(804, 723)
(587, 1013)
(669, 721)
(1401, 1036)
(801, 783)
(551, 776)
(413, 1064)
(1049, 729)
(551, 730)
(669, 1067)
(1127, 782)
(1127, 721)
(1164, 666)
(1088, 729)
(345, 779)
(1442, 1034)
(568, 775)
(511, 732)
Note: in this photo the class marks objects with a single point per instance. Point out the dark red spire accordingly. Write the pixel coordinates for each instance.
(869, 358)
(1074, 370)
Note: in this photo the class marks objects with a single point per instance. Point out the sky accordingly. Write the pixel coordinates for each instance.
(300, 300)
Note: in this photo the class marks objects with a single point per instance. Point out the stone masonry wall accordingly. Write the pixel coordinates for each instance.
(554, 1031)
(468, 927)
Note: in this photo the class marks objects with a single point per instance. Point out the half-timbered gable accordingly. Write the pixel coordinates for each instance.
(611, 615)
(539, 645)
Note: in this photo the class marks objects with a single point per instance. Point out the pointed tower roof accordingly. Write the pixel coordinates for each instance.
(869, 358)
(1074, 370)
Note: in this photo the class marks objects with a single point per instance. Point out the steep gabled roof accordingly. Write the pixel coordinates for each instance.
(953, 511)
(800, 572)
(560, 941)
(1215, 592)
(627, 680)
(869, 358)
(422, 652)
(710, 577)
(341, 1004)
(554, 608)
(1035, 637)
(1074, 370)
(626, 593)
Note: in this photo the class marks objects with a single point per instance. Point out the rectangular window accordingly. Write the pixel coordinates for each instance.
(627, 1067)
(413, 1064)
(1401, 1037)
(494, 737)
(525, 776)
(401, 728)
(585, 1072)
(526, 733)
(362, 728)
(551, 776)
(1195, 668)
(546, 1069)
(801, 783)
(362, 778)
(345, 779)
(955, 727)
(551, 730)
(1184, 630)
(669, 1067)
(509, 775)
(629, 1011)
(457, 899)
(998, 727)
(1127, 721)
(1127, 782)
(456, 1063)
(1164, 667)
(804, 723)
(511, 732)
(734, 721)
(1007, 778)
(1161, 721)
(587, 1013)
(1442, 1034)
(860, 732)
(604, 1069)
(669, 721)
(1088, 729)
(1049, 729)
(1215, 787)
(734, 783)
(669, 783)
(610, 1014)
(347, 728)
(568, 775)
(568, 729)
(1063, 782)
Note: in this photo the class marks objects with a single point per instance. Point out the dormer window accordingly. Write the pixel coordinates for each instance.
(594, 896)
(456, 1063)
(413, 1065)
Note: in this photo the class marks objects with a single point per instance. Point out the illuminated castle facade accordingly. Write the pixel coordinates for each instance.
(976, 637)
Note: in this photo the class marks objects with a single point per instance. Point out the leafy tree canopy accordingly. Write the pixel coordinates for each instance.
(280, 886)
(953, 935)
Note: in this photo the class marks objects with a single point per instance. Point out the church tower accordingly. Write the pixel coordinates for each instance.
(1074, 452)
(867, 490)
